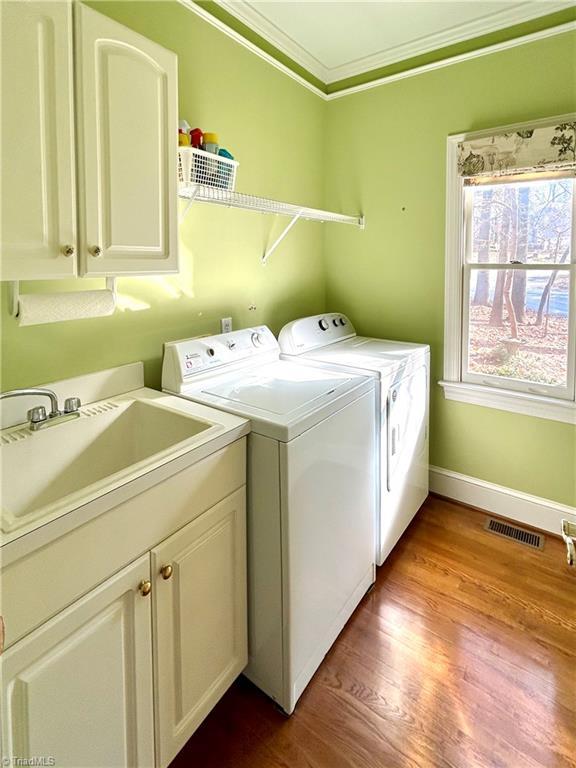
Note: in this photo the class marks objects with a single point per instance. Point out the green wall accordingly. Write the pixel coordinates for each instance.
(381, 151)
(390, 278)
(258, 113)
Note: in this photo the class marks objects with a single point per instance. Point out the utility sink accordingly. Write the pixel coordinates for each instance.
(55, 470)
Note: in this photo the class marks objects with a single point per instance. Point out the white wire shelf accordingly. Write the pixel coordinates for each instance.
(205, 194)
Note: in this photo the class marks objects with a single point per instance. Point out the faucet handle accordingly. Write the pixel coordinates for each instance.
(37, 415)
(72, 404)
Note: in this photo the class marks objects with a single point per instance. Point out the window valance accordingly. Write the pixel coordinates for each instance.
(551, 147)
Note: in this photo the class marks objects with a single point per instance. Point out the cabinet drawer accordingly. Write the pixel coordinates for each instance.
(38, 586)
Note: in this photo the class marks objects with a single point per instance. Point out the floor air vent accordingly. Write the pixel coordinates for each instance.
(521, 535)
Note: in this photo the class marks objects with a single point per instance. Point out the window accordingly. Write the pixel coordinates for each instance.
(517, 277)
(511, 277)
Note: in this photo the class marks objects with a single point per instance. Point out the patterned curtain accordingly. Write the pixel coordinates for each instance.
(550, 148)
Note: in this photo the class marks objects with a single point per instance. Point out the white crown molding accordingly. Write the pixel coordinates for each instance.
(247, 14)
(457, 34)
(190, 5)
(535, 511)
(238, 38)
(497, 48)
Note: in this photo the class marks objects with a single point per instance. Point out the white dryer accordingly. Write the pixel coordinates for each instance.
(403, 371)
(311, 494)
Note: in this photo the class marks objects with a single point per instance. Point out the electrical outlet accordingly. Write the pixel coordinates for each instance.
(226, 324)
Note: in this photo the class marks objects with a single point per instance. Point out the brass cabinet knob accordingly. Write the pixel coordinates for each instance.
(96, 251)
(68, 250)
(166, 571)
(145, 587)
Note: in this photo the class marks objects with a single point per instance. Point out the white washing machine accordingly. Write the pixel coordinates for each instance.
(403, 371)
(311, 494)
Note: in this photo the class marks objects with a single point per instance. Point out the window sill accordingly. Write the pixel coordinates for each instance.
(516, 402)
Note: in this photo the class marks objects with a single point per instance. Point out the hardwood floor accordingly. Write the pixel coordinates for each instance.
(463, 655)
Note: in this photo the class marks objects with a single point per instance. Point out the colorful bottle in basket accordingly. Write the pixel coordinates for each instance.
(226, 170)
(210, 167)
(196, 138)
(183, 134)
(210, 143)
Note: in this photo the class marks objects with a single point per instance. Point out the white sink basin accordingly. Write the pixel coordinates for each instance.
(60, 467)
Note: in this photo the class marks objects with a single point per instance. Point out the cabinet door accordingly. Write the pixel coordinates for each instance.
(128, 128)
(199, 623)
(79, 689)
(38, 209)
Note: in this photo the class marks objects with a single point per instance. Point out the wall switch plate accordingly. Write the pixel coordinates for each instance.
(226, 324)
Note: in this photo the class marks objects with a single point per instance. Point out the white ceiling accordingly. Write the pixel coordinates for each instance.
(335, 39)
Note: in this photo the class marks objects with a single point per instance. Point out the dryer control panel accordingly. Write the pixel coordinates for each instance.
(311, 332)
(188, 358)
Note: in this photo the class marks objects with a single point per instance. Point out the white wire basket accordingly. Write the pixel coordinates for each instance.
(198, 167)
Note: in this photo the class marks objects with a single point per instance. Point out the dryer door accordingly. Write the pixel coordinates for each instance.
(407, 428)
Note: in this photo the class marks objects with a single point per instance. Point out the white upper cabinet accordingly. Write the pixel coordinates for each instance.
(38, 208)
(127, 138)
(123, 90)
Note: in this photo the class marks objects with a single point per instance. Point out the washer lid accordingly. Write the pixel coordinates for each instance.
(278, 388)
(364, 353)
(282, 399)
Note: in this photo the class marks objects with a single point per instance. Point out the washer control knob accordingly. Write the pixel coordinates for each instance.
(231, 344)
(210, 352)
(342, 321)
(257, 340)
(335, 322)
(323, 324)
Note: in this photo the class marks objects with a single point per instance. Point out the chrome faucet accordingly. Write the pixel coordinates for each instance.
(37, 416)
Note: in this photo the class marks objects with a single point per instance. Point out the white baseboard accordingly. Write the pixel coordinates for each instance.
(534, 511)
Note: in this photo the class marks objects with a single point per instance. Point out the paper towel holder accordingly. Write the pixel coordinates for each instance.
(14, 288)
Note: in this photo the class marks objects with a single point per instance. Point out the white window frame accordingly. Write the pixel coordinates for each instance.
(493, 395)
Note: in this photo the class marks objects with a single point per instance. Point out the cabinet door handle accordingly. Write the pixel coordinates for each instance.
(166, 571)
(96, 251)
(68, 251)
(145, 587)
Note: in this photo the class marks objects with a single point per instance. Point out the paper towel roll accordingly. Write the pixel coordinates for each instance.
(37, 308)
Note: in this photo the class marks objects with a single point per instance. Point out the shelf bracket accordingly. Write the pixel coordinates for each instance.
(111, 285)
(281, 237)
(191, 198)
(14, 293)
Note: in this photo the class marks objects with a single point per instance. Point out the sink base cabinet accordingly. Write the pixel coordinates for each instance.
(123, 676)
(200, 632)
(79, 688)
